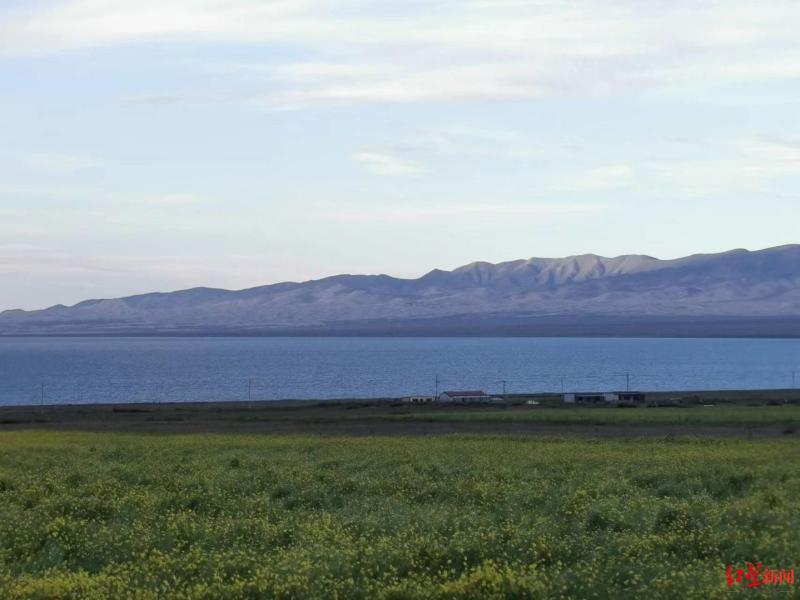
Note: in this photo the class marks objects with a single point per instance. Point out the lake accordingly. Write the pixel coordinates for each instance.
(88, 370)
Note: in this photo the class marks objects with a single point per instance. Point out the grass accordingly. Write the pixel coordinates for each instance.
(148, 516)
(715, 415)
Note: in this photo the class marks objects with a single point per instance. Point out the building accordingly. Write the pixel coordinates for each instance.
(589, 398)
(631, 398)
(465, 397)
(606, 398)
(419, 399)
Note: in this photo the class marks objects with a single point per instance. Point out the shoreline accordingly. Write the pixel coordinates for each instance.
(730, 413)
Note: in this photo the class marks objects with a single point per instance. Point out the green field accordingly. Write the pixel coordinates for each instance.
(715, 415)
(155, 516)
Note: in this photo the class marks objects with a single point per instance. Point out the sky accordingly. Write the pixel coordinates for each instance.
(155, 145)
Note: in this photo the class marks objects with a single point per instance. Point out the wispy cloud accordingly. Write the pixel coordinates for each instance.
(463, 51)
(775, 153)
(53, 264)
(435, 212)
(384, 163)
(697, 168)
(420, 150)
(598, 178)
(65, 24)
(94, 197)
(62, 163)
(749, 164)
(165, 200)
(468, 140)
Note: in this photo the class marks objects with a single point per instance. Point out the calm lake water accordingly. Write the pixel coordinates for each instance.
(84, 370)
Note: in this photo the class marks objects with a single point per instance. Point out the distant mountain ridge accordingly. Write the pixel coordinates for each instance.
(538, 296)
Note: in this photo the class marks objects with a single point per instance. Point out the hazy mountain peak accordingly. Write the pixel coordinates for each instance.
(734, 284)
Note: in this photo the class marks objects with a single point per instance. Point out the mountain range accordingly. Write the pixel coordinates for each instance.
(736, 293)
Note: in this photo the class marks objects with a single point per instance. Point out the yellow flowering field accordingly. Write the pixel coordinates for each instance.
(156, 516)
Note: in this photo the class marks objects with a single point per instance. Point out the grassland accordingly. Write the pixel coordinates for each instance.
(715, 415)
(388, 417)
(87, 515)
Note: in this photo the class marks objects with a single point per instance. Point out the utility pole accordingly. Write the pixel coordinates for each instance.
(627, 382)
(562, 385)
(436, 388)
(249, 393)
(794, 378)
(504, 382)
(41, 406)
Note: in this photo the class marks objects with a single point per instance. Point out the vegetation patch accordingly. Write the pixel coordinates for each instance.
(155, 516)
(788, 415)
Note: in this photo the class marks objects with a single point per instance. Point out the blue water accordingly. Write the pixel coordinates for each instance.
(85, 370)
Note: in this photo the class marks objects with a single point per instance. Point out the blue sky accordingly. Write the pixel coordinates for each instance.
(163, 144)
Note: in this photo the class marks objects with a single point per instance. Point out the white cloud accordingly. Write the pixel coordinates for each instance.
(734, 166)
(598, 178)
(466, 140)
(383, 163)
(166, 200)
(774, 153)
(63, 163)
(461, 51)
(415, 213)
(52, 264)
(93, 197)
(65, 24)
(689, 167)
(430, 146)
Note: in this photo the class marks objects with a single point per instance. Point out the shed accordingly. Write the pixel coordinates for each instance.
(465, 396)
(600, 398)
(631, 398)
(590, 398)
(419, 399)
